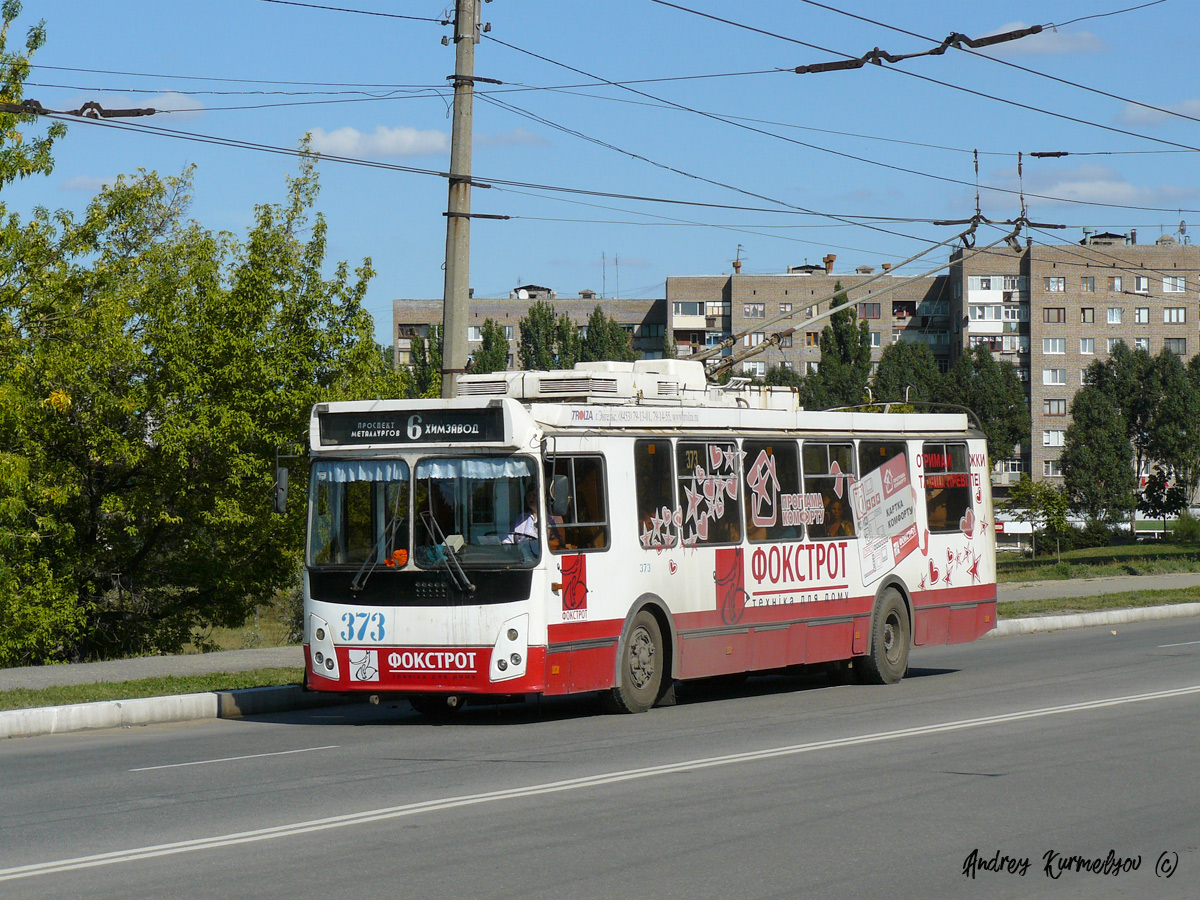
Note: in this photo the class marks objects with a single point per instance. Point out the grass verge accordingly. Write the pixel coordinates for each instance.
(166, 686)
(1055, 606)
(1101, 562)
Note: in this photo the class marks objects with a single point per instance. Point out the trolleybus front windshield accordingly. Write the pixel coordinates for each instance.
(359, 513)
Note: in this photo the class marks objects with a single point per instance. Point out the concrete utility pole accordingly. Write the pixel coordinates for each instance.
(456, 306)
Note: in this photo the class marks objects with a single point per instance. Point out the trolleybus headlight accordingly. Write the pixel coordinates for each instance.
(319, 635)
(319, 657)
(501, 665)
(516, 659)
(512, 634)
(329, 663)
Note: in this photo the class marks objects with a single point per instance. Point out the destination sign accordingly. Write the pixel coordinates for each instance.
(435, 426)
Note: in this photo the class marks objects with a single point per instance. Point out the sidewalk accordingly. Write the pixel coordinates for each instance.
(229, 704)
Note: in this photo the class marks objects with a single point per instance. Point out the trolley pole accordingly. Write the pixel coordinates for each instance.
(456, 302)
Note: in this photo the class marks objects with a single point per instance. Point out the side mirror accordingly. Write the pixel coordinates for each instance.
(560, 495)
(281, 486)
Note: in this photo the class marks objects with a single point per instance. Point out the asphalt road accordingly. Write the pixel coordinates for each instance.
(1073, 743)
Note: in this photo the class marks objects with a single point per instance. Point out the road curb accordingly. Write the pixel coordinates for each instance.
(161, 710)
(1035, 624)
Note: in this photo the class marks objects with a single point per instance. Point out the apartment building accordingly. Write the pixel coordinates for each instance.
(644, 319)
(1051, 310)
(704, 310)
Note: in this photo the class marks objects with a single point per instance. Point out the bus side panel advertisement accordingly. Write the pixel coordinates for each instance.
(574, 588)
(885, 516)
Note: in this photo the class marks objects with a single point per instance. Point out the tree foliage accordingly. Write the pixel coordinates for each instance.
(1042, 505)
(907, 371)
(20, 154)
(425, 353)
(492, 355)
(994, 393)
(606, 340)
(845, 366)
(536, 347)
(1097, 458)
(150, 369)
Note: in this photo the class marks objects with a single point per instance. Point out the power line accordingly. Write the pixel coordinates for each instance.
(360, 12)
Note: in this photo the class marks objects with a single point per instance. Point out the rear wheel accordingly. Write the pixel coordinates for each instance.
(438, 707)
(891, 635)
(640, 668)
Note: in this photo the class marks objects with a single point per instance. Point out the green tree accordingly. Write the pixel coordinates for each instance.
(1173, 427)
(994, 393)
(20, 154)
(1161, 499)
(425, 379)
(151, 368)
(1043, 506)
(567, 346)
(606, 340)
(845, 367)
(1131, 381)
(536, 347)
(907, 370)
(1097, 459)
(492, 355)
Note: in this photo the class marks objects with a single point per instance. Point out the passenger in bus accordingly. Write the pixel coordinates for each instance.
(836, 524)
(526, 526)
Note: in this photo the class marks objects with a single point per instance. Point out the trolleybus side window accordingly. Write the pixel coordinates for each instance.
(947, 478)
(709, 476)
(873, 454)
(775, 507)
(584, 526)
(829, 472)
(360, 513)
(655, 493)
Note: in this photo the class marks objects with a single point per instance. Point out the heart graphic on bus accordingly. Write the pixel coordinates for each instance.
(967, 523)
(934, 574)
(673, 567)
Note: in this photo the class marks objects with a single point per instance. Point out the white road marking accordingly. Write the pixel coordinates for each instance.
(554, 787)
(206, 762)
(1184, 644)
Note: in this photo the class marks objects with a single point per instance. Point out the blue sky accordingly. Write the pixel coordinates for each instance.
(871, 142)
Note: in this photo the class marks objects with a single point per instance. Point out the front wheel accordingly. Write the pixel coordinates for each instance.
(640, 667)
(891, 635)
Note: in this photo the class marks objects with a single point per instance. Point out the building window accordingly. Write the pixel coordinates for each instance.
(1112, 343)
(1052, 438)
(875, 339)
(869, 310)
(1051, 468)
(1054, 345)
(1141, 284)
(1087, 346)
(1015, 283)
(944, 366)
(1016, 313)
(1055, 284)
(1141, 315)
(756, 368)
(785, 341)
(1083, 377)
(1173, 284)
(785, 307)
(1114, 282)
(1114, 315)
(1141, 344)
(755, 310)
(812, 339)
(689, 308)
(1014, 342)
(1175, 315)
(1087, 314)
(987, 313)
(1087, 284)
(1177, 346)
(1054, 407)
(1052, 315)
(474, 333)
(754, 338)
(1054, 376)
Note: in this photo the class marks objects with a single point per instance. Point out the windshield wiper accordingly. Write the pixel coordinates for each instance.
(360, 577)
(449, 552)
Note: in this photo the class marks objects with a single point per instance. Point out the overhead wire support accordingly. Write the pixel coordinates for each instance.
(879, 57)
(90, 110)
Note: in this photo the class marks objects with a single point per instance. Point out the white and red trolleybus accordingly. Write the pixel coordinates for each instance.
(617, 527)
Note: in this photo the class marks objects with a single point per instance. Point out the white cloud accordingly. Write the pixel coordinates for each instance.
(1132, 114)
(86, 183)
(1098, 184)
(1046, 43)
(385, 142)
